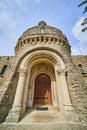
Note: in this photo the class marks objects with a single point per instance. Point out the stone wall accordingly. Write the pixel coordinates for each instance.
(83, 61)
(78, 86)
(77, 83)
(41, 41)
(8, 83)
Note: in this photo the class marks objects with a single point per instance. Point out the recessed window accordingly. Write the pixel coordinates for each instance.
(82, 70)
(3, 70)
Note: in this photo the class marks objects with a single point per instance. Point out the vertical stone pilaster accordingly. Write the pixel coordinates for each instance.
(58, 89)
(20, 89)
(56, 103)
(16, 111)
(54, 95)
(66, 97)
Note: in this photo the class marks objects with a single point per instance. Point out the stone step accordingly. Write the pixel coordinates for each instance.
(44, 126)
(50, 116)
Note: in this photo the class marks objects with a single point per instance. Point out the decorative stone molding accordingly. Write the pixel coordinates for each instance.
(42, 39)
(49, 40)
(61, 72)
(22, 71)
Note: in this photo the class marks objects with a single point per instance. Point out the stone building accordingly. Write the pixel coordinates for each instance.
(43, 77)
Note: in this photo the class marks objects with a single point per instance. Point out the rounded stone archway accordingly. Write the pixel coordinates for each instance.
(36, 66)
(30, 67)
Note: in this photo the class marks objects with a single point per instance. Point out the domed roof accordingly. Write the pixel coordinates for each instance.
(42, 33)
(42, 29)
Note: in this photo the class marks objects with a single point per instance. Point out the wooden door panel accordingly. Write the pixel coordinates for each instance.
(42, 93)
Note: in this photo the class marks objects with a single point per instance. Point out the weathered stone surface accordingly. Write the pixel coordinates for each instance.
(44, 126)
(50, 41)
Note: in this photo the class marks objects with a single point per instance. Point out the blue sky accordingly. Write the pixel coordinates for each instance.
(16, 16)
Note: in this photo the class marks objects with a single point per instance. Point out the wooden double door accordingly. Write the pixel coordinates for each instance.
(42, 91)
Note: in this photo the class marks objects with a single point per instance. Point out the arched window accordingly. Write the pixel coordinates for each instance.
(3, 69)
(82, 70)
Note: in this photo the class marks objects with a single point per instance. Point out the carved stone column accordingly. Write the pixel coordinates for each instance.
(56, 103)
(54, 95)
(66, 98)
(58, 89)
(16, 111)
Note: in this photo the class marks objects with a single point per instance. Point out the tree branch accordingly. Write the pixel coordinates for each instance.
(84, 29)
(85, 10)
(84, 2)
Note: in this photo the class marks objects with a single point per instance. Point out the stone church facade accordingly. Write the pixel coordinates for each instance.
(43, 73)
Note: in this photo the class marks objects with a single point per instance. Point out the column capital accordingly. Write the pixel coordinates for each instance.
(22, 71)
(61, 72)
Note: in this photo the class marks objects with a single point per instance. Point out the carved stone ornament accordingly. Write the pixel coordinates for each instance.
(61, 72)
(22, 71)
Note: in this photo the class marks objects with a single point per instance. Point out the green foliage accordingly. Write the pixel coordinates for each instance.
(84, 23)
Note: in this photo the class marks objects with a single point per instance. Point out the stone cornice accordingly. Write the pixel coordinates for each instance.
(42, 40)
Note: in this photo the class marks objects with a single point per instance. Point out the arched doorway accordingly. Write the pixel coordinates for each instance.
(42, 91)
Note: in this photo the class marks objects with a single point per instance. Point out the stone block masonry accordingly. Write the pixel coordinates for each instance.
(43, 49)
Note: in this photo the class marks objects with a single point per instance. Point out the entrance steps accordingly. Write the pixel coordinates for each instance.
(51, 119)
(51, 115)
(43, 126)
